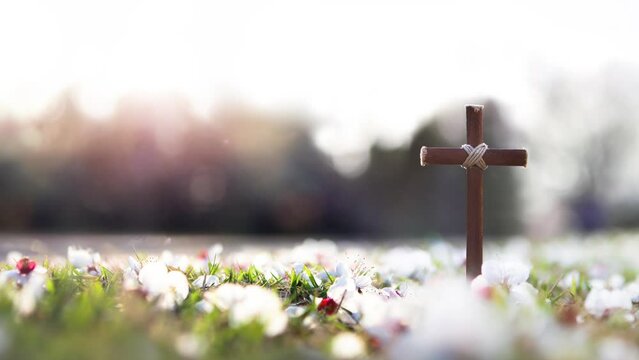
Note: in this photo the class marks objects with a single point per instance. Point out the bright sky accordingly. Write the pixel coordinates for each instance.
(360, 69)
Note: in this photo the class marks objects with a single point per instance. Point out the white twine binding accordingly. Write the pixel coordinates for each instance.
(475, 156)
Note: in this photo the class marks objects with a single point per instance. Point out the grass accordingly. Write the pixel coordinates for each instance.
(83, 316)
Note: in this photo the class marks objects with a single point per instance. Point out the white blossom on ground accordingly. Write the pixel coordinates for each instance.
(13, 257)
(523, 294)
(26, 299)
(351, 279)
(189, 346)
(181, 262)
(272, 270)
(245, 304)
(29, 279)
(395, 306)
(206, 281)
(213, 253)
(509, 274)
(301, 270)
(407, 262)
(600, 301)
(632, 289)
(85, 260)
(295, 311)
(617, 349)
(311, 251)
(505, 272)
(25, 270)
(347, 345)
(569, 280)
(343, 291)
(446, 320)
(167, 289)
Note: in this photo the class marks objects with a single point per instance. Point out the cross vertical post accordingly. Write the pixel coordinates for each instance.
(474, 194)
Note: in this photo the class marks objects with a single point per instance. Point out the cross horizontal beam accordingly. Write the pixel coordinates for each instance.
(457, 156)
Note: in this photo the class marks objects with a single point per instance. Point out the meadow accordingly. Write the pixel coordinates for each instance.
(568, 298)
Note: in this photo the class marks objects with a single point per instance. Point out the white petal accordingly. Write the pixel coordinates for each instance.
(206, 281)
(276, 324)
(134, 264)
(347, 346)
(505, 272)
(13, 257)
(295, 311)
(341, 269)
(179, 285)
(80, 258)
(153, 277)
(342, 287)
(523, 294)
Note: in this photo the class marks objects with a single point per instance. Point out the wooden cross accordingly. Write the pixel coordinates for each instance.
(474, 176)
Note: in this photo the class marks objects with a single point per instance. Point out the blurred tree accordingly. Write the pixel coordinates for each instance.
(156, 167)
(589, 128)
(400, 197)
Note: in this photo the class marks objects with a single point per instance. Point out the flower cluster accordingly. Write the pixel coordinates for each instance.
(403, 302)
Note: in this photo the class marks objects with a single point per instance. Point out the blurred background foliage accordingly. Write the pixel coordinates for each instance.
(241, 171)
(156, 166)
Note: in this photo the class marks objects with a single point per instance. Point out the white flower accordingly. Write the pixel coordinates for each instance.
(569, 280)
(225, 296)
(130, 279)
(177, 289)
(22, 274)
(152, 276)
(299, 269)
(616, 281)
(26, 299)
(447, 256)
(313, 251)
(206, 257)
(167, 288)
(601, 301)
(213, 253)
(189, 346)
(180, 262)
(616, 349)
(273, 270)
(295, 311)
(506, 272)
(134, 264)
(390, 293)
(380, 317)
(204, 306)
(444, 318)
(83, 259)
(343, 288)
(206, 281)
(358, 272)
(347, 345)
(30, 280)
(13, 257)
(512, 274)
(407, 262)
(241, 260)
(248, 304)
(632, 289)
(523, 294)
(480, 287)
(261, 305)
